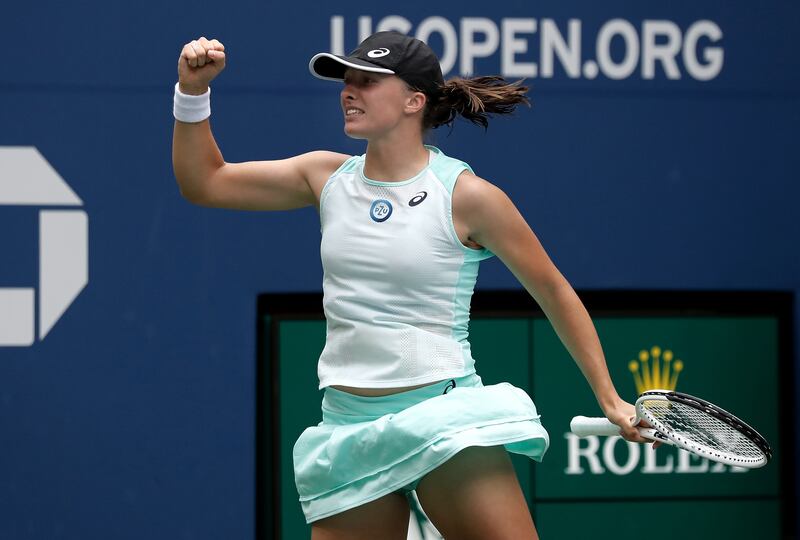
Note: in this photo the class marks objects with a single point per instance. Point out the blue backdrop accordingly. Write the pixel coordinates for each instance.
(660, 153)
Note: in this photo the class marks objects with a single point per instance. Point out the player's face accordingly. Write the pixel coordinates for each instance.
(372, 103)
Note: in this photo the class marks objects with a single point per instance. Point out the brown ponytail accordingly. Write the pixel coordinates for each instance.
(474, 99)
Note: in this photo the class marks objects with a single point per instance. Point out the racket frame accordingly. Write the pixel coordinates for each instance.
(663, 432)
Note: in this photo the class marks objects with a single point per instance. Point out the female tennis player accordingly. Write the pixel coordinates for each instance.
(404, 228)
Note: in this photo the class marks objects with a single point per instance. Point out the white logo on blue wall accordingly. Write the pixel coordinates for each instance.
(554, 48)
(380, 210)
(29, 180)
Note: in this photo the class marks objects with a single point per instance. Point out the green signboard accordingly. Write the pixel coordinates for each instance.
(733, 359)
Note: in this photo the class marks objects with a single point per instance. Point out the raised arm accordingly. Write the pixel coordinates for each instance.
(495, 223)
(201, 171)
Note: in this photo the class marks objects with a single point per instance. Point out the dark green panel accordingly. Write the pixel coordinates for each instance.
(721, 356)
(687, 520)
(729, 361)
(500, 348)
(301, 343)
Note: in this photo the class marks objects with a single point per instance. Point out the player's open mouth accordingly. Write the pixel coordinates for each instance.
(353, 112)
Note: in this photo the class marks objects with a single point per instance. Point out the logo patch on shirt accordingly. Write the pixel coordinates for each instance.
(418, 198)
(380, 210)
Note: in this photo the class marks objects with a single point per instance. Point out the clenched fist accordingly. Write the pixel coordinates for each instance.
(200, 61)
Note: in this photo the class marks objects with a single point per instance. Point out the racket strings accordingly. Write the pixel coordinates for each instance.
(698, 426)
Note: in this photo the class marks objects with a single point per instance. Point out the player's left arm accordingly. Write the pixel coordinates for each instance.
(494, 222)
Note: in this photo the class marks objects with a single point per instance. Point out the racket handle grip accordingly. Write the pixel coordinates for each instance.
(583, 426)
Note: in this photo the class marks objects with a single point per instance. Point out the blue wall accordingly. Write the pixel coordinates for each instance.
(134, 416)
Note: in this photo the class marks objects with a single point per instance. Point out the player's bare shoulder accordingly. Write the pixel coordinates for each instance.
(318, 166)
(479, 205)
(470, 191)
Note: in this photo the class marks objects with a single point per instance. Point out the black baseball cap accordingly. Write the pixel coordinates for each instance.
(385, 52)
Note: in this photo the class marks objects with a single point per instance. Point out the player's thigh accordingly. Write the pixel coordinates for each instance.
(385, 518)
(476, 495)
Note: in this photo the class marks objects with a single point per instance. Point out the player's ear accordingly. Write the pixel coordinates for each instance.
(415, 102)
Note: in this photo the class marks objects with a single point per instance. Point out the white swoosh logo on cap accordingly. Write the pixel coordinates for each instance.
(377, 53)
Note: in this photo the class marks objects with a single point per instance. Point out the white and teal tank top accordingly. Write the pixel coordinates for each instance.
(397, 280)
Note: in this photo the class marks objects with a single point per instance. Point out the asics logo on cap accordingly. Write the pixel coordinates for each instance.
(377, 53)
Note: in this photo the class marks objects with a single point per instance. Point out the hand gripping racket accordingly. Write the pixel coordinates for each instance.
(690, 423)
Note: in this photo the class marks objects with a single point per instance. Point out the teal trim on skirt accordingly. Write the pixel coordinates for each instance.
(368, 447)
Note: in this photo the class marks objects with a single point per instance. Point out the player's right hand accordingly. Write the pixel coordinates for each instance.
(200, 61)
(623, 414)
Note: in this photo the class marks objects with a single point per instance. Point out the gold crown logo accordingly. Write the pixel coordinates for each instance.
(660, 374)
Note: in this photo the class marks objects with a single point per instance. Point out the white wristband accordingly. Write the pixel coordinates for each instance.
(191, 109)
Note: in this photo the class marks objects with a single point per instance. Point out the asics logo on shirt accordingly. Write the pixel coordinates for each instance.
(418, 198)
(450, 386)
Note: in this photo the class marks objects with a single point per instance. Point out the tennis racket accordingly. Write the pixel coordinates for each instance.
(690, 423)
